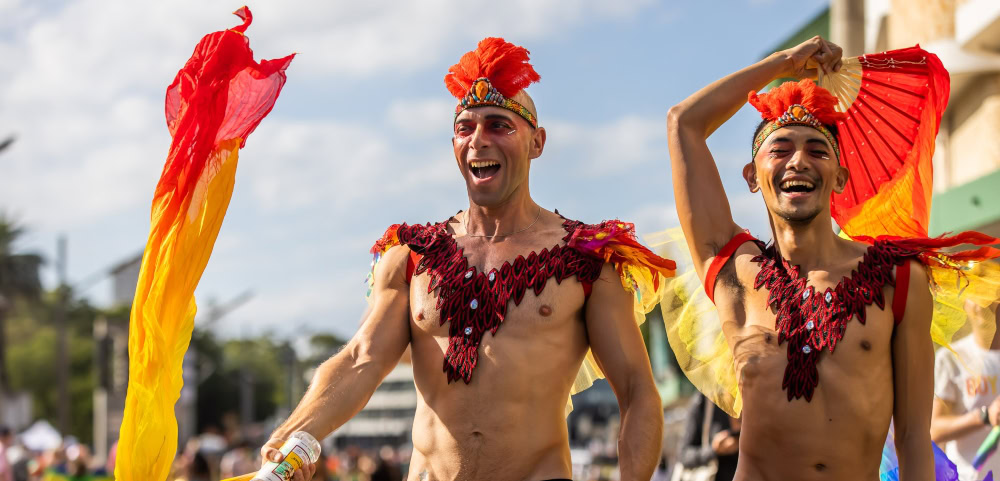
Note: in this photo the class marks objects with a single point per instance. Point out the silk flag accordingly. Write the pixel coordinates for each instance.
(216, 100)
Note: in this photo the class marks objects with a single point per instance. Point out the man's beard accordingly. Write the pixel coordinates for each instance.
(797, 217)
(800, 217)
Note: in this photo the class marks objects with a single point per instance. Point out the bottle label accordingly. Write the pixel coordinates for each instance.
(293, 461)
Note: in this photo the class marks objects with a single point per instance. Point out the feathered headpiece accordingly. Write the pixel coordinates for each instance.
(491, 75)
(796, 103)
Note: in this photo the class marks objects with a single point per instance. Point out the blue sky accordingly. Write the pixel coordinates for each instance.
(360, 138)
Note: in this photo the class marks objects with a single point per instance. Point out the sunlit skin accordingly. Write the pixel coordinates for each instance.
(878, 371)
(796, 153)
(509, 422)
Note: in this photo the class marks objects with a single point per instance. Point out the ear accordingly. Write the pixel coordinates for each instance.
(843, 175)
(750, 174)
(537, 143)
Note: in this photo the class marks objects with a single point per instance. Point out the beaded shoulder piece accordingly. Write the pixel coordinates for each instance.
(811, 321)
(474, 302)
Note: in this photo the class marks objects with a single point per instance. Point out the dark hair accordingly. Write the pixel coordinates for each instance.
(5, 431)
(199, 465)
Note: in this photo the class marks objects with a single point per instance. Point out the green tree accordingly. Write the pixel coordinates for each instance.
(19, 280)
(33, 354)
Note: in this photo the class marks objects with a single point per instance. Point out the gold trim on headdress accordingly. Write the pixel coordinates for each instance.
(483, 94)
(795, 115)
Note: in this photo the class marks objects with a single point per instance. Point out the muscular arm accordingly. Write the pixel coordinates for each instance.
(946, 425)
(702, 205)
(617, 345)
(913, 376)
(343, 384)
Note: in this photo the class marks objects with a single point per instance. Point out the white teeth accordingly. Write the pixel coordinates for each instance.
(479, 164)
(796, 183)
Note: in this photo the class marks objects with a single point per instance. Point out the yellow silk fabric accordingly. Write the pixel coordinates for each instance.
(163, 316)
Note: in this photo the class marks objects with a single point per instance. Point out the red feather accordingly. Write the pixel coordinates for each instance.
(503, 63)
(818, 101)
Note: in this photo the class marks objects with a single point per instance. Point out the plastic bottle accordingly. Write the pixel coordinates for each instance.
(299, 449)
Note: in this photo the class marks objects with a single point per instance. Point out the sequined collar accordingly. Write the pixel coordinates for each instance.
(811, 321)
(474, 302)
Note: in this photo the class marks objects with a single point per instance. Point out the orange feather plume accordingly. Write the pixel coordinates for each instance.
(503, 63)
(817, 100)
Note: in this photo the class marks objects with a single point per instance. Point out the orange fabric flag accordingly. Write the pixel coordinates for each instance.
(216, 100)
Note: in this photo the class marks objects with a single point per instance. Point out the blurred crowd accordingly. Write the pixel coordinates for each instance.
(209, 457)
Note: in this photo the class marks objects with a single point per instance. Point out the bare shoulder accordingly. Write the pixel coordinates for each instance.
(391, 268)
(919, 300)
(737, 275)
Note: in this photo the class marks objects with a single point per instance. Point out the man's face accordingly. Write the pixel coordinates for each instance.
(494, 148)
(796, 170)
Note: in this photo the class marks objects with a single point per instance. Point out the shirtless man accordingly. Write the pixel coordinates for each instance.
(511, 337)
(809, 413)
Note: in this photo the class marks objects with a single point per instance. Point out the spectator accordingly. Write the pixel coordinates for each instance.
(720, 442)
(6, 440)
(387, 467)
(198, 469)
(967, 402)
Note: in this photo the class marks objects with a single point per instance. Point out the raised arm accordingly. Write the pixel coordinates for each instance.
(620, 352)
(343, 384)
(702, 205)
(913, 381)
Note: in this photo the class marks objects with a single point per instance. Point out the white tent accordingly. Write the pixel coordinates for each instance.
(41, 436)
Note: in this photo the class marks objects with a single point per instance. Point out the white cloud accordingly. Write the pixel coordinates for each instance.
(364, 38)
(423, 117)
(618, 145)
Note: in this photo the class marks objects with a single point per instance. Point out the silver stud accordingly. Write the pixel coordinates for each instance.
(805, 294)
(468, 331)
(468, 275)
(474, 304)
(493, 276)
(810, 325)
(828, 298)
(806, 349)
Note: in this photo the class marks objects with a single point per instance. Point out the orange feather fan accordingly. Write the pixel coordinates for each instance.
(503, 63)
(815, 99)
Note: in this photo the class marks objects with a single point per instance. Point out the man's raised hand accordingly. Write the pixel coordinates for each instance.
(806, 59)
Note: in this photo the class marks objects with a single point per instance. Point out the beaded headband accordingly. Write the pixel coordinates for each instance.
(795, 115)
(483, 94)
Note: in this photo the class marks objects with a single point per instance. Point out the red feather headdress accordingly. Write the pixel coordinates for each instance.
(796, 103)
(490, 75)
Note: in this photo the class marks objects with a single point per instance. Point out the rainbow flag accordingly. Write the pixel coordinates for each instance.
(216, 100)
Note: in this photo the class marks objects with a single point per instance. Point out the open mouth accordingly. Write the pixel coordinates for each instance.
(484, 169)
(797, 186)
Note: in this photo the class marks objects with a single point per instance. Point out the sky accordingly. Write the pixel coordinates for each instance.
(360, 136)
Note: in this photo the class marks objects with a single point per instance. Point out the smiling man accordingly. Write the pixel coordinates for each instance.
(829, 337)
(501, 306)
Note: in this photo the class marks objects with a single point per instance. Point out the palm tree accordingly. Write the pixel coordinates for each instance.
(18, 280)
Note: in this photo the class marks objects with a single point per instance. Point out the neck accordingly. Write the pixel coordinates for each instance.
(497, 221)
(809, 244)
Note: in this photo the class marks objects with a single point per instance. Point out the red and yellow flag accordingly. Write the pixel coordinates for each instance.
(217, 99)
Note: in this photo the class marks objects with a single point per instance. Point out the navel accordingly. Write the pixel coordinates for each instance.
(767, 337)
(866, 345)
(820, 467)
(545, 310)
